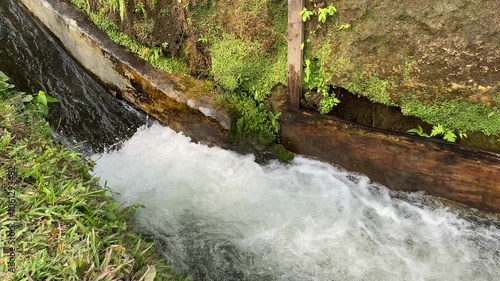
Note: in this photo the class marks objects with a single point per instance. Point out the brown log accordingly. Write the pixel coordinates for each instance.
(295, 54)
(398, 161)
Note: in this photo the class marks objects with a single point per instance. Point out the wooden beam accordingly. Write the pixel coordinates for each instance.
(400, 162)
(295, 55)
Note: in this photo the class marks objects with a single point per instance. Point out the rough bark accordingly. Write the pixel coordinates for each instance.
(465, 175)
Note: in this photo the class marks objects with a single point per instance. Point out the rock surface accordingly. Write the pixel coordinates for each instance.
(443, 49)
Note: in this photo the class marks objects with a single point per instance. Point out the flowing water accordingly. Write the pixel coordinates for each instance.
(34, 61)
(220, 216)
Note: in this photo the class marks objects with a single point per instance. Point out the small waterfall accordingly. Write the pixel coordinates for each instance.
(220, 216)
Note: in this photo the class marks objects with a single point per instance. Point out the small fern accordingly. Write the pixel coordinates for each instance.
(439, 131)
(450, 136)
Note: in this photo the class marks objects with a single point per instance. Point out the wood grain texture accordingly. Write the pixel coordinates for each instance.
(295, 54)
(400, 162)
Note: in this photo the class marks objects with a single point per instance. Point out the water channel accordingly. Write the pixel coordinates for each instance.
(218, 215)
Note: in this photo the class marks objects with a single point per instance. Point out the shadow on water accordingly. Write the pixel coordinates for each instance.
(34, 61)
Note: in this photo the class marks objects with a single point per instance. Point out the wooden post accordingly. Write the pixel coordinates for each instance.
(295, 55)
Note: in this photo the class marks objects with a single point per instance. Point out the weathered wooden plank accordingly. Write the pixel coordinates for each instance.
(295, 55)
(176, 100)
(400, 162)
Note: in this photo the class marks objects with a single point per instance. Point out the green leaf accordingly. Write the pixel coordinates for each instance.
(41, 98)
(450, 136)
(331, 10)
(322, 15)
(437, 130)
(419, 131)
(51, 99)
(27, 98)
(305, 14)
(121, 4)
(151, 275)
(3, 77)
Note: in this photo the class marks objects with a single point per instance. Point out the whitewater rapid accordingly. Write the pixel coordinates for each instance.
(220, 216)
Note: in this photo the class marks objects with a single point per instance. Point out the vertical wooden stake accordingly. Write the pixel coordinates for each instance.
(295, 55)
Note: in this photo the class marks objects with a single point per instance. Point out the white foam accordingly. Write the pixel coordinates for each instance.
(221, 216)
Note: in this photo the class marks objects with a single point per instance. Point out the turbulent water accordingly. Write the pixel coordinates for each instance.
(220, 216)
(34, 61)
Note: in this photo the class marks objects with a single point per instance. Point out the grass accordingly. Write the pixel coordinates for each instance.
(66, 226)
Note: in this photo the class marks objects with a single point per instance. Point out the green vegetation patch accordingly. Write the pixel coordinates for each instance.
(371, 87)
(61, 223)
(154, 55)
(456, 115)
(242, 65)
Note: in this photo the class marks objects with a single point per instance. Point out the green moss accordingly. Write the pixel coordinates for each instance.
(371, 87)
(456, 115)
(144, 28)
(168, 64)
(278, 14)
(282, 153)
(243, 65)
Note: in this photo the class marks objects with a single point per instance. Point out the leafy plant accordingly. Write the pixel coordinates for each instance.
(253, 121)
(110, 5)
(327, 104)
(316, 78)
(121, 7)
(419, 131)
(324, 12)
(439, 131)
(42, 101)
(306, 14)
(274, 126)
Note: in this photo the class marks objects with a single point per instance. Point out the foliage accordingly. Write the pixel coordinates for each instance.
(244, 66)
(456, 115)
(315, 78)
(322, 13)
(252, 120)
(306, 14)
(315, 74)
(153, 55)
(419, 131)
(370, 86)
(438, 131)
(66, 227)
